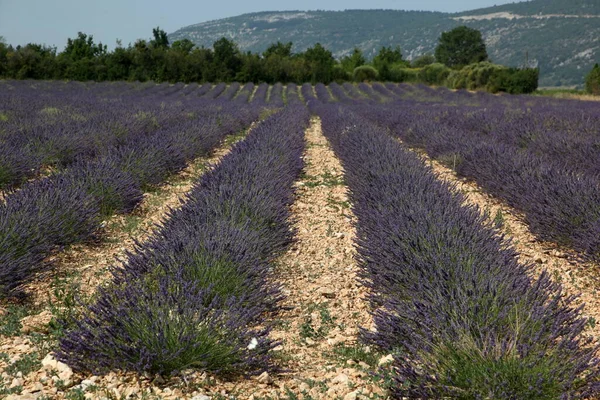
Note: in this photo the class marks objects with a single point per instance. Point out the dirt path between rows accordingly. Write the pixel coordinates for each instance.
(324, 306)
(576, 277)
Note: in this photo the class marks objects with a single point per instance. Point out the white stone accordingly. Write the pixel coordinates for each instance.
(341, 378)
(264, 378)
(16, 382)
(386, 360)
(49, 362)
(351, 396)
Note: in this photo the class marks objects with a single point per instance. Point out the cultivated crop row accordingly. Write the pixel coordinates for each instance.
(538, 156)
(197, 293)
(460, 314)
(69, 205)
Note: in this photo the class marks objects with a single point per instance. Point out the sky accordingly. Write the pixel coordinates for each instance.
(51, 22)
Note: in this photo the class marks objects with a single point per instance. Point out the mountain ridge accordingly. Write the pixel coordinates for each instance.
(558, 36)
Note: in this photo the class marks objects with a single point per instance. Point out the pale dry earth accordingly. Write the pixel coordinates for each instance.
(325, 303)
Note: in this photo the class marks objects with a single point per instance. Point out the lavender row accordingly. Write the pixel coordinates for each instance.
(197, 293)
(459, 313)
(68, 207)
(554, 180)
(55, 126)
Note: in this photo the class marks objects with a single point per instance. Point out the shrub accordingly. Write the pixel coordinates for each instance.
(422, 61)
(17, 163)
(37, 219)
(473, 76)
(115, 190)
(190, 296)
(494, 78)
(434, 74)
(339, 74)
(166, 325)
(514, 81)
(592, 81)
(402, 74)
(365, 73)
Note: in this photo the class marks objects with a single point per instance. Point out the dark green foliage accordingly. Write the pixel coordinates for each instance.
(461, 46)
(422, 61)
(320, 62)
(592, 81)
(494, 78)
(386, 59)
(434, 74)
(387, 55)
(160, 38)
(226, 60)
(184, 46)
(339, 74)
(514, 81)
(83, 47)
(155, 60)
(474, 76)
(365, 73)
(402, 74)
(354, 60)
(279, 49)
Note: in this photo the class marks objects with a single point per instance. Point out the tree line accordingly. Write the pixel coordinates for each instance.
(181, 61)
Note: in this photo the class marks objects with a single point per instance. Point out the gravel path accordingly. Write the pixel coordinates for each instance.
(324, 306)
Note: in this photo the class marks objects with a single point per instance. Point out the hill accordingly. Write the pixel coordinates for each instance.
(559, 36)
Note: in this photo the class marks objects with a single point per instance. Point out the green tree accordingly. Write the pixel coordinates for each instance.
(592, 81)
(226, 61)
(461, 46)
(388, 56)
(82, 47)
(320, 63)
(3, 56)
(32, 61)
(82, 58)
(118, 63)
(141, 60)
(354, 60)
(386, 59)
(279, 49)
(200, 65)
(160, 38)
(251, 69)
(183, 46)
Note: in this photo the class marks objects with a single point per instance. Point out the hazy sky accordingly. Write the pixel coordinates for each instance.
(53, 21)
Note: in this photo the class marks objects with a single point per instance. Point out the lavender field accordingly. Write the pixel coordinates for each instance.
(297, 242)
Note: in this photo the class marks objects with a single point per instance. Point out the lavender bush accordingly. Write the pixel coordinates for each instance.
(194, 294)
(460, 314)
(143, 149)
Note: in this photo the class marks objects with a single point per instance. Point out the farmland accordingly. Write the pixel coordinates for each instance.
(349, 241)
